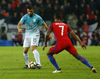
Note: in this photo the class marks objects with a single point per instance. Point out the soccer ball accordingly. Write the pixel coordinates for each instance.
(32, 65)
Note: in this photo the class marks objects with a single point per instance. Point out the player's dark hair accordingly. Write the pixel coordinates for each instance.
(57, 15)
(29, 7)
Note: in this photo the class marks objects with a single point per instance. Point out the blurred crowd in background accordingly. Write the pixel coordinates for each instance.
(78, 14)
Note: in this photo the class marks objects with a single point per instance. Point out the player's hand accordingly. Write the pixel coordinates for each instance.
(20, 30)
(83, 45)
(44, 46)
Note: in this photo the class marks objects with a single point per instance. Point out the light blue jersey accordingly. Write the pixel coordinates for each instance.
(31, 24)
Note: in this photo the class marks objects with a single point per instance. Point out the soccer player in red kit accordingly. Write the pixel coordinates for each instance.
(60, 31)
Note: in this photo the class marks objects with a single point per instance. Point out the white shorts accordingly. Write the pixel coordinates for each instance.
(31, 41)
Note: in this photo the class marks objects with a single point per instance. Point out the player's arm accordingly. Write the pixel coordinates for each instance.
(45, 26)
(19, 27)
(46, 38)
(78, 39)
(20, 23)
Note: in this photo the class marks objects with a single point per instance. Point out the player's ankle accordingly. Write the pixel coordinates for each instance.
(91, 67)
(59, 69)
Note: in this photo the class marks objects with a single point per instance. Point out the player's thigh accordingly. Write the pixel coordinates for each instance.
(71, 49)
(56, 49)
(35, 40)
(27, 42)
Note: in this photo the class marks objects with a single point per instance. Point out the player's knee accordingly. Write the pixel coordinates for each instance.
(48, 53)
(76, 55)
(33, 48)
(25, 50)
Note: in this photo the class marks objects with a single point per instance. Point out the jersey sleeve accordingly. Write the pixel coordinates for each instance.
(22, 19)
(41, 21)
(69, 29)
(51, 27)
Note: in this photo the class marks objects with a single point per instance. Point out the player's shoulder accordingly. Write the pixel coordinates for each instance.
(64, 24)
(59, 23)
(36, 15)
(54, 23)
(24, 16)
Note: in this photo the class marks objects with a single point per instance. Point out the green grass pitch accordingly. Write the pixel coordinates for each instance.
(12, 62)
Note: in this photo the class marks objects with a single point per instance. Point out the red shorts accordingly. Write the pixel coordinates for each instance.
(60, 46)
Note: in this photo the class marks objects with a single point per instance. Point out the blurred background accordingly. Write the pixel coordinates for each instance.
(83, 16)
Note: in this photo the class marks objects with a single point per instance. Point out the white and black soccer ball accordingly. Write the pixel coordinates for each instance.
(32, 65)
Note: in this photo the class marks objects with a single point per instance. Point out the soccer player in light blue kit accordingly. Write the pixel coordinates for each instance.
(32, 34)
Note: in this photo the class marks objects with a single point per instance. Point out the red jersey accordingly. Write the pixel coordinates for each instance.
(60, 30)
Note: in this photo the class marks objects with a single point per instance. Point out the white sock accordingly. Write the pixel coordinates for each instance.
(37, 56)
(26, 58)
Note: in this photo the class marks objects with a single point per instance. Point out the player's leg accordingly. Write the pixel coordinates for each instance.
(84, 61)
(54, 50)
(25, 51)
(34, 44)
(26, 56)
(36, 55)
(53, 61)
(72, 50)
